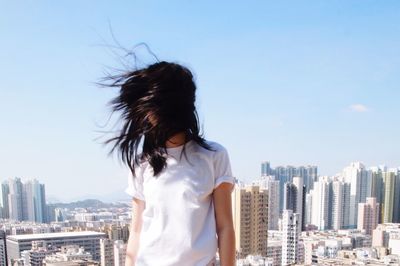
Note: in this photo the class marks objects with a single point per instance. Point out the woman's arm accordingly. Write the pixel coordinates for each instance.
(225, 230)
(134, 233)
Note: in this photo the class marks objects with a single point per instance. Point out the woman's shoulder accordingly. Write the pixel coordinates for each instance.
(213, 148)
(216, 146)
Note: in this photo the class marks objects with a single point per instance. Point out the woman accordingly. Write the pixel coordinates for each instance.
(180, 183)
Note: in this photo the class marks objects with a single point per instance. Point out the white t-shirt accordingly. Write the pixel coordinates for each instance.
(179, 225)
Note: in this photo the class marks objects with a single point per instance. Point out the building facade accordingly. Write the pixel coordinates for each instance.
(368, 215)
(89, 240)
(250, 215)
(290, 237)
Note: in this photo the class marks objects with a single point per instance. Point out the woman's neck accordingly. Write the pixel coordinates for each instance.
(176, 140)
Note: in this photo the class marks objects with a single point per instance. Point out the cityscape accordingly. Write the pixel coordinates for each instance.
(289, 215)
(294, 216)
(304, 96)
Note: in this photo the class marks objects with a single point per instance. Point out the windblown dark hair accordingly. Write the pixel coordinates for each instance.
(155, 103)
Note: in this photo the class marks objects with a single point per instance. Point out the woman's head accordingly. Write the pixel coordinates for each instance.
(155, 103)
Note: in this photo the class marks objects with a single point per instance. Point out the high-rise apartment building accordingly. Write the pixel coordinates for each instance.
(332, 202)
(377, 187)
(360, 188)
(290, 196)
(106, 252)
(300, 200)
(340, 205)
(23, 201)
(119, 253)
(272, 185)
(285, 174)
(368, 215)
(290, 237)
(320, 204)
(3, 250)
(58, 215)
(273, 205)
(15, 199)
(250, 215)
(396, 205)
(384, 184)
(389, 183)
(294, 198)
(117, 232)
(266, 169)
(5, 191)
(34, 201)
(309, 174)
(308, 209)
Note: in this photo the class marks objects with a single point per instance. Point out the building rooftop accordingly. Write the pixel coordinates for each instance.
(53, 235)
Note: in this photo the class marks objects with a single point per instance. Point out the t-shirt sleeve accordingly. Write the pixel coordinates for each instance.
(223, 172)
(135, 184)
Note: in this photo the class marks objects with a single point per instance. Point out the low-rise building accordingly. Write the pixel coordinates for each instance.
(89, 240)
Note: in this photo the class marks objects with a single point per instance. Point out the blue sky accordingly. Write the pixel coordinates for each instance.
(293, 82)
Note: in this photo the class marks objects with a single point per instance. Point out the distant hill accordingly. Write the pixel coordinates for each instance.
(89, 203)
(115, 196)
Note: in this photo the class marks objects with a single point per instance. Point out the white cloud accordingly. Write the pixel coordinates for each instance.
(359, 108)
